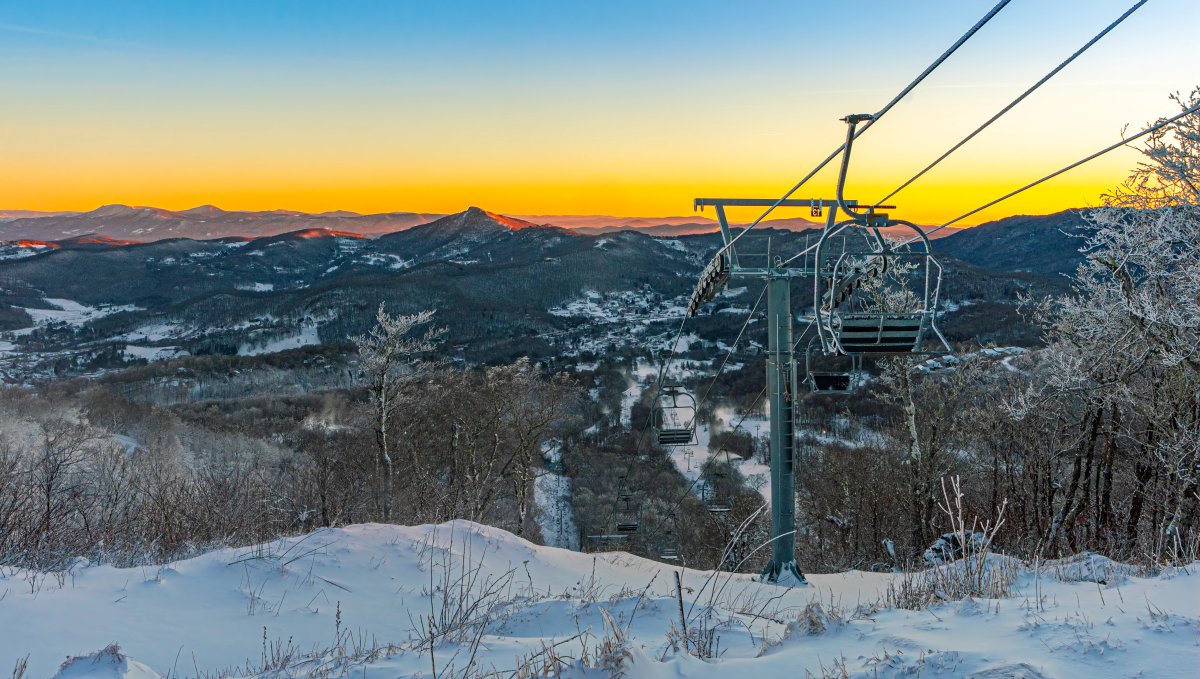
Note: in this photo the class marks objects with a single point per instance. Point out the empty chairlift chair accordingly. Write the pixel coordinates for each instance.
(713, 501)
(675, 416)
(668, 551)
(839, 378)
(878, 301)
(628, 516)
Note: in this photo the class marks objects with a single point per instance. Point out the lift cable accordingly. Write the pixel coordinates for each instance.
(729, 353)
(732, 348)
(1153, 128)
(1016, 101)
(866, 126)
(662, 370)
(895, 100)
(763, 392)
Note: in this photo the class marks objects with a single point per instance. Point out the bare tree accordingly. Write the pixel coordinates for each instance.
(389, 364)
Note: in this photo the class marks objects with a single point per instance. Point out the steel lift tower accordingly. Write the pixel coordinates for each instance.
(876, 298)
(782, 384)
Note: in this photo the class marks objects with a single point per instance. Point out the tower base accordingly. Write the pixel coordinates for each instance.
(786, 574)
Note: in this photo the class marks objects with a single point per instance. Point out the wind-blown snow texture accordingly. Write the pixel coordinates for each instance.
(214, 608)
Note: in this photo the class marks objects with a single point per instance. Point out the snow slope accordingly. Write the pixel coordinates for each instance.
(286, 598)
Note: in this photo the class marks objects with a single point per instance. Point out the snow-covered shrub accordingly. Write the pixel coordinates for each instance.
(1089, 567)
(107, 663)
(950, 547)
(814, 620)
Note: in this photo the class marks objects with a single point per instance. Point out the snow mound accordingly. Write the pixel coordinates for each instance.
(107, 663)
(1089, 567)
(352, 602)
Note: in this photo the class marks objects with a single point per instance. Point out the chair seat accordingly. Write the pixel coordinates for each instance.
(835, 383)
(881, 333)
(675, 437)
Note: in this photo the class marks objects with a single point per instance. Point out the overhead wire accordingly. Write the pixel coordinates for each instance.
(662, 369)
(662, 374)
(875, 118)
(1096, 38)
(732, 348)
(745, 414)
(1053, 72)
(1153, 128)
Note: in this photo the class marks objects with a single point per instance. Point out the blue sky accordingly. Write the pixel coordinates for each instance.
(627, 107)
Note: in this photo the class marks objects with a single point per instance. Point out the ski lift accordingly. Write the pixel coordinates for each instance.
(629, 516)
(876, 299)
(628, 526)
(712, 501)
(837, 380)
(675, 416)
(669, 552)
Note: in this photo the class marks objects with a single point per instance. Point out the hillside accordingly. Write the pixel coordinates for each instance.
(83, 303)
(147, 224)
(1040, 244)
(356, 601)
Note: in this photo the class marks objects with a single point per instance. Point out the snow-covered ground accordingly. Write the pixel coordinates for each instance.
(158, 331)
(257, 287)
(132, 351)
(295, 599)
(73, 313)
(552, 493)
(306, 336)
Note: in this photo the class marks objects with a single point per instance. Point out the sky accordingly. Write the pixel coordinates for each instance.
(621, 107)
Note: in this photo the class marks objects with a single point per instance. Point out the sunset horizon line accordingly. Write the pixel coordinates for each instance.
(699, 216)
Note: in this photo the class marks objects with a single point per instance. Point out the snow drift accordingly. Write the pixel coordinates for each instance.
(373, 600)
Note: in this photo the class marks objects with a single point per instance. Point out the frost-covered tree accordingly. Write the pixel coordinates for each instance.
(389, 360)
(1124, 351)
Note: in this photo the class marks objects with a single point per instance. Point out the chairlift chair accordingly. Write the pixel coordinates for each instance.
(629, 516)
(840, 380)
(712, 503)
(675, 416)
(855, 318)
(857, 314)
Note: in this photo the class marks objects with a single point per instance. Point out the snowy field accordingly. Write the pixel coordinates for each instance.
(355, 602)
(307, 335)
(72, 313)
(152, 353)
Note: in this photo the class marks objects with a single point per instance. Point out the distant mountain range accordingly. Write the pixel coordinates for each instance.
(146, 224)
(504, 286)
(1042, 244)
(207, 222)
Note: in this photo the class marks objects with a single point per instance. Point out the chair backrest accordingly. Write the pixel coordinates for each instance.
(675, 416)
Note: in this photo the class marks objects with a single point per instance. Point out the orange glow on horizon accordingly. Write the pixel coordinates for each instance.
(924, 203)
(597, 115)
